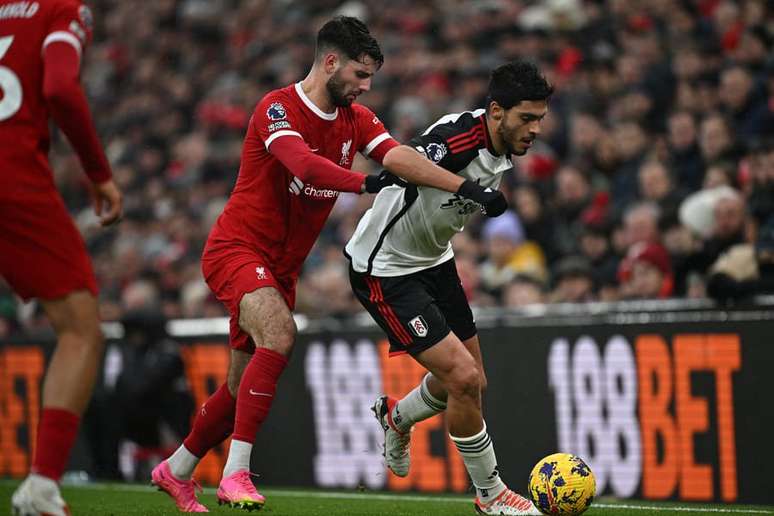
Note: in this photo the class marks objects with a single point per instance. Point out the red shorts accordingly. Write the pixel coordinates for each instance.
(235, 271)
(42, 254)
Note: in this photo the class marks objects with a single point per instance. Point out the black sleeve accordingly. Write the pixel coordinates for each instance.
(451, 145)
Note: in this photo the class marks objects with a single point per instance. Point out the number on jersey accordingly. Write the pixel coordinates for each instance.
(9, 85)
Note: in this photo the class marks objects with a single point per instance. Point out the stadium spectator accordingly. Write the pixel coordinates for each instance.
(641, 224)
(715, 139)
(656, 185)
(745, 270)
(745, 106)
(646, 272)
(729, 219)
(595, 246)
(539, 225)
(573, 281)
(508, 254)
(684, 153)
(719, 174)
(631, 145)
(573, 195)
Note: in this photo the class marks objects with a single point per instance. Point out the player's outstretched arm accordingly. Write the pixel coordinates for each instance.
(410, 165)
(405, 162)
(307, 166)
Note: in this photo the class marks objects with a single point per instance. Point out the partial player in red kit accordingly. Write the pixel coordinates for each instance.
(296, 158)
(42, 254)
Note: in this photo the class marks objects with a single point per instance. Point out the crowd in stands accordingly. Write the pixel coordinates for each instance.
(653, 176)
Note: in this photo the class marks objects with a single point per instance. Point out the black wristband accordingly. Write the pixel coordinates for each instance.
(469, 190)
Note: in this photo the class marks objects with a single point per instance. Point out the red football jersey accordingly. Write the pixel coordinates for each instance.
(270, 209)
(26, 28)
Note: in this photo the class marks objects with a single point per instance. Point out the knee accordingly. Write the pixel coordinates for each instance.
(280, 335)
(76, 321)
(482, 382)
(465, 381)
(85, 333)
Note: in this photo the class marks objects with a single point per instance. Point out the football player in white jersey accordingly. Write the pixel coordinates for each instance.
(403, 272)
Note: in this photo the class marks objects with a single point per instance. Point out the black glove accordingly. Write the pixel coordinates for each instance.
(493, 203)
(375, 182)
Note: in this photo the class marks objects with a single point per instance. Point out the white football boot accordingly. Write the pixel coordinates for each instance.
(507, 503)
(38, 496)
(396, 444)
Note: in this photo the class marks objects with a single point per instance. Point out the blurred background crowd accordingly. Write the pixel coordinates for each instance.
(653, 176)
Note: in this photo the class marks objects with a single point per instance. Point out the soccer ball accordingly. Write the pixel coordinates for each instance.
(562, 484)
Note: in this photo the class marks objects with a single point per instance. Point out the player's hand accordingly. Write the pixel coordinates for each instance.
(493, 203)
(375, 182)
(108, 202)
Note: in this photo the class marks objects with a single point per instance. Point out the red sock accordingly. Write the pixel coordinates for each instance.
(256, 392)
(57, 430)
(213, 423)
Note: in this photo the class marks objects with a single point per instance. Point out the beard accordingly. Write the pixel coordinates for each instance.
(507, 134)
(336, 89)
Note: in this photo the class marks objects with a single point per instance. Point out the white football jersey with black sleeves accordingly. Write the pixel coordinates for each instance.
(409, 229)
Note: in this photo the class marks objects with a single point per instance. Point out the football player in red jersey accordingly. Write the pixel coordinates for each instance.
(42, 254)
(296, 159)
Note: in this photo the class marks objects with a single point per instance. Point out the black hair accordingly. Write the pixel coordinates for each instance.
(349, 36)
(516, 81)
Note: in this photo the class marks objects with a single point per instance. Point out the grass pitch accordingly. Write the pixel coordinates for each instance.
(132, 499)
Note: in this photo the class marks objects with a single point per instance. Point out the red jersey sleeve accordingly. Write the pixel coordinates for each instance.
(70, 22)
(375, 141)
(70, 29)
(274, 117)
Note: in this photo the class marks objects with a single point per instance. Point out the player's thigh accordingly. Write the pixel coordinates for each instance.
(453, 365)
(453, 301)
(42, 253)
(265, 315)
(233, 274)
(403, 307)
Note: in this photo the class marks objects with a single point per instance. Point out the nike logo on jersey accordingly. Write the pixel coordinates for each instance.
(259, 393)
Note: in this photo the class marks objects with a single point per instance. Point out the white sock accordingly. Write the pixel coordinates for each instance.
(238, 457)
(417, 406)
(182, 463)
(47, 483)
(479, 457)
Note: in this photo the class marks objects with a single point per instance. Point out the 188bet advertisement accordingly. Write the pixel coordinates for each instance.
(669, 410)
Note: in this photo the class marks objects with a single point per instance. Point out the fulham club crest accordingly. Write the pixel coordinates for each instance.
(418, 326)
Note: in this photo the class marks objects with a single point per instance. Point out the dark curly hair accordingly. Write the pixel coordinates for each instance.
(518, 80)
(349, 36)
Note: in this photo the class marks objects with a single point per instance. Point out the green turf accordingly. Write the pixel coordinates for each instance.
(127, 499)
